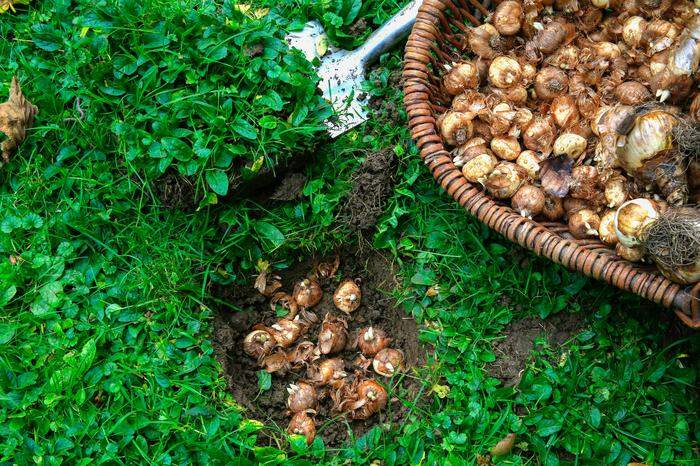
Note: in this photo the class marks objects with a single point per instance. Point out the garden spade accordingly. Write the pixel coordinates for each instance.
(343, 71)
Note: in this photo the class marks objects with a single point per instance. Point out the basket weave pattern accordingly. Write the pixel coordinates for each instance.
(438, 38)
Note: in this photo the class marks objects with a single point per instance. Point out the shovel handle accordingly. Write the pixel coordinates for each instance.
(390, 34)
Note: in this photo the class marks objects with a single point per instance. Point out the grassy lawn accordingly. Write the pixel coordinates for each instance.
(123, 211)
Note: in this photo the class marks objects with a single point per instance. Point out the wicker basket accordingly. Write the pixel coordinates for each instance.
(438, 37)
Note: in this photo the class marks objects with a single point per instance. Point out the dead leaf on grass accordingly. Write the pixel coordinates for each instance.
(16, 116)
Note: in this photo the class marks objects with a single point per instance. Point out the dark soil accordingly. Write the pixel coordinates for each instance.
(358, 27)
(290, 187)
(372, 184)
(514, 351)
(378, 308)
(175, 191)
(386, 109)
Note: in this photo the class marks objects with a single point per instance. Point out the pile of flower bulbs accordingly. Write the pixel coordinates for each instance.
(587, 112)
(286, 347)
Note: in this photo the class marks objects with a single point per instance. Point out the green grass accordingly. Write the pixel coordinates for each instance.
(105, 352)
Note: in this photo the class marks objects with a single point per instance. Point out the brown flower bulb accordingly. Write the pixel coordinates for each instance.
(504, 72)
(347, 296)
(371, 340)
(632, 218)
(566, 58)
(508, 17)
(516, 95)
(632, 93)
(584, 224)
(258, 343)
(555, 175)
(539, 136)
(530, 161)
(585, 182)
(564, 111)
(485, 41)
(528, 201)
(504, 446)
(505, 180)
(461, 77)
(694, 111)
(327, 372)
(470, 101)
(388, 361)
(633, 254)
(633, 30)
(285, 332)
(553, 208)
(333, 335)
(326, 270)
(506, 147)
(276, 362)
(267, 284)
(616, 191)
(369, 399)
(606, 229)
(307, 293)
(478, 163)
(549, 38)
(302, 396)
(302, 424)
(550, 83)
(286, 302)
(456, 128)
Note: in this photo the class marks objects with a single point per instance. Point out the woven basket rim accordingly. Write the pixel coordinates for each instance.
(578, 256)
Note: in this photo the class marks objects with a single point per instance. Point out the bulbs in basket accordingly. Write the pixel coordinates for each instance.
(530, 161)
(528, 201)
(477, 163)
(632, 217)
(485, 41)
(508, 17)
(506, 147)
(461, 77)
(456, 128)
(505, 180)
(672, 242)
(584, 223)
(550, 83)
(632, 93)
(606, 229)
(504, 72)
(539, 135)
(650, 155)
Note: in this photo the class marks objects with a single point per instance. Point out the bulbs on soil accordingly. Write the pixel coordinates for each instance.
(258, 343)
(302, 424)
(327, 372)
(388, 361)
(307, 293)
(347, 296)
(371, 340)
(302, 396)
(333, 335)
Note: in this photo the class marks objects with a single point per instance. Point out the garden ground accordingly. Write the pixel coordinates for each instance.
(134, 217)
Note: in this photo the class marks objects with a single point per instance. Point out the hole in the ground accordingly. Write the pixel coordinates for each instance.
(378, 308)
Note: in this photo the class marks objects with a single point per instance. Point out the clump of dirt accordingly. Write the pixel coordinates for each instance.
(176, 191)
(290, 187)
(376, 277)
(358, 27)
(513, 351)
(372, 184)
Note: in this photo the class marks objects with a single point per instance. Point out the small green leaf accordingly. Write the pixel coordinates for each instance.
(264, 380)
(270, 233)
(217, 181)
